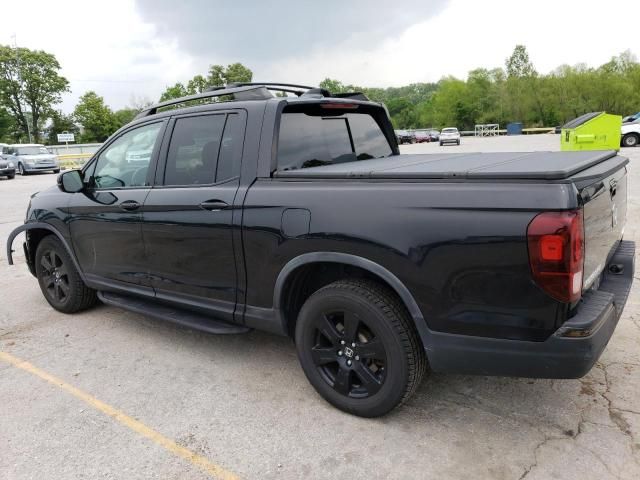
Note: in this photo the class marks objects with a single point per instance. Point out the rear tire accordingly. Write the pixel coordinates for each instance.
(630, 140)
(57, 170)
(59, 280)
(358, 347)
(458, 142)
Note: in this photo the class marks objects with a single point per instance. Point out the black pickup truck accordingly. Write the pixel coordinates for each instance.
(297, 215)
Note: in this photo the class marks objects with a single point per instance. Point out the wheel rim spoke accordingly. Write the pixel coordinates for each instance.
(372, 349)
(370, 382)
(351, 323)
(323, 355)
(46, 263)
(64, 287)
(342, 383)
(328, 329)
(57, 292)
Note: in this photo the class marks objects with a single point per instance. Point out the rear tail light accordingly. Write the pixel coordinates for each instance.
(556, 253)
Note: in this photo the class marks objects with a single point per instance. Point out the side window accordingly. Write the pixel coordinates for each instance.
(312, 140)
(231, 149)
(125, 162)
(193, 151)
(368, 138)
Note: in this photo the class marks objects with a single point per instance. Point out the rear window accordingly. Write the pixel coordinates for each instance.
(314, 140)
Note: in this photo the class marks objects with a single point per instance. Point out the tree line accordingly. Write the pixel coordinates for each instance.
(31, 86)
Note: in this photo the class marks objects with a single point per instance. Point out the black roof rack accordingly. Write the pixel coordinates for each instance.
(239, 93)
(250, 91)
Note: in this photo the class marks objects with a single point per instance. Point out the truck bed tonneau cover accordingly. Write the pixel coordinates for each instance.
(490, 165)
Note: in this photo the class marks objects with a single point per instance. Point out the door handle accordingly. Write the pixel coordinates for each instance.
(130, 205)
(214, 205)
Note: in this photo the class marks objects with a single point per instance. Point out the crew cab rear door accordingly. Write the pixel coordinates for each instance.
(187, 216)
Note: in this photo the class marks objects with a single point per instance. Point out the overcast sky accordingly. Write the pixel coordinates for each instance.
(131, 49)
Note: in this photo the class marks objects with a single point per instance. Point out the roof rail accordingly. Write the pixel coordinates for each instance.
(257, 92)
(251, 91)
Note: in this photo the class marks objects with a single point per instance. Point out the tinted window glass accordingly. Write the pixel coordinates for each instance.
(231, 149)
(193, 151)
(311, 141)
(125, 162)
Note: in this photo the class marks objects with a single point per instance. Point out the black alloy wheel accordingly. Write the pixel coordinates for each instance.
(55, 276)
(348, 356)
(59, 280)
(359, 348)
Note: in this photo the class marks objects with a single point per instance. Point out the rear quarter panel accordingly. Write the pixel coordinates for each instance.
(460, 248)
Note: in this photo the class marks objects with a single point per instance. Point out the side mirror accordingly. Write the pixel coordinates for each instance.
(71, 181)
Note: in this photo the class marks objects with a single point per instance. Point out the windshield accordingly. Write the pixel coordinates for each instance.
(31, 150)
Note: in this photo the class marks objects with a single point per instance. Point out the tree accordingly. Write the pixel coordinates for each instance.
(7, 127)
(96, 118)
(518, 64)
(30, 78)
(176, 91)
(217, 76)
(61, 123)
(123, 116)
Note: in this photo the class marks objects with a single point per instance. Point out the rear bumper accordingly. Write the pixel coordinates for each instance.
(569, 353)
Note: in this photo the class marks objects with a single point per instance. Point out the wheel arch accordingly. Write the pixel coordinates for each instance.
(45, 229)
(374, 269)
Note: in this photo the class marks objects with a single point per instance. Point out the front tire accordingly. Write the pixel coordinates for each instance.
(12, 176)
(630, 140)
(358, 347)
(21, 169)
(59, 280)
(57, 170)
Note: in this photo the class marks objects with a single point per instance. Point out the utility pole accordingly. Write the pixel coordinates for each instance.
(24, 107)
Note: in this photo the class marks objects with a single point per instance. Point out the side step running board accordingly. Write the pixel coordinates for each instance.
(162, 311)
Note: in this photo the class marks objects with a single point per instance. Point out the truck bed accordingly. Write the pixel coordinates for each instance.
(498, 165)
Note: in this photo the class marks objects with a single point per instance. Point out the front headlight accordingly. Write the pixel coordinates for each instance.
(30, 163)
(11, 165)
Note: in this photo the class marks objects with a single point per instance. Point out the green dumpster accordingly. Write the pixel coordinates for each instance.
(592, 131)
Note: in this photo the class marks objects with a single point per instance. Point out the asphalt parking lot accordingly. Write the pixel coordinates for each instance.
(112, 394)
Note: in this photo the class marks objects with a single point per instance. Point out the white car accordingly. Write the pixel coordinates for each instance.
(449, 135)
(631, 134)
(31, 157)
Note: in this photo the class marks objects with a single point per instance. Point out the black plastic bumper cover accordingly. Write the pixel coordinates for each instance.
(561, 355)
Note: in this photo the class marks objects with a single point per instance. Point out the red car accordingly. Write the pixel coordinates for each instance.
(422, 137)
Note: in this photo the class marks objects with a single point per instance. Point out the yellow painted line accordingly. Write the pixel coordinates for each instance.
(199, 461)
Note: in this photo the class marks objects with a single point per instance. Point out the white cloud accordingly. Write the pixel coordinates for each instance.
(110, 48)
(471, 33)
(104, 47)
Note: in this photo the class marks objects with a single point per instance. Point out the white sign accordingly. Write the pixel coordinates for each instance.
(66, 137)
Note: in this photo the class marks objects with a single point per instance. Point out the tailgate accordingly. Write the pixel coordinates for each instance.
(605, 214)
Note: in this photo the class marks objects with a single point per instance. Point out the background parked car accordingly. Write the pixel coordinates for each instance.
(7, 167)
(631, 118)
(405, 136)
(32, 157)
(630, 134)
(450, 135)
(434, 135)
(422, 137)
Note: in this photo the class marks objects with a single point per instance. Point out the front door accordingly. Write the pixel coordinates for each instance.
(106, 218)
(188, 228)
